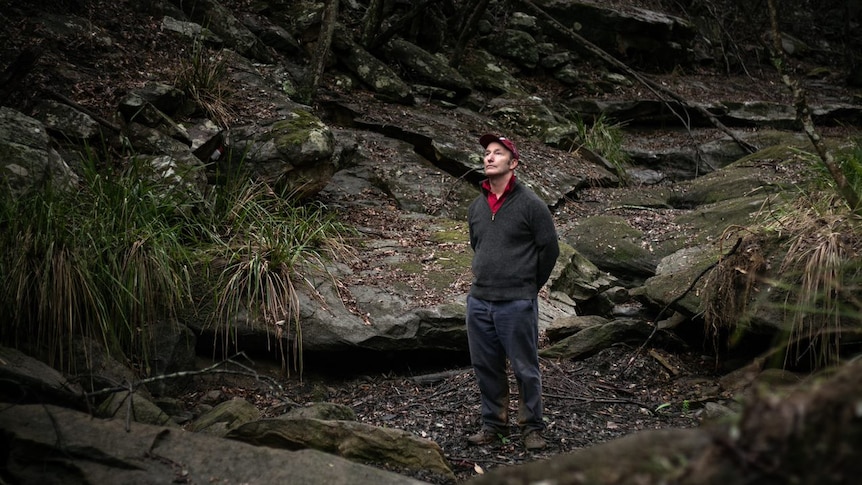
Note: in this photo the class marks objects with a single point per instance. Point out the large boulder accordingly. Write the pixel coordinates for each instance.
(373, 72)
(296, 154)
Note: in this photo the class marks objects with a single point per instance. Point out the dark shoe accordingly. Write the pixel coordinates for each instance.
(533, 441)
(485, 436)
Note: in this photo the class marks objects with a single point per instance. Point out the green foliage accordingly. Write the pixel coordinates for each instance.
(102, 262)
(110, 259)
(263, 247)
(850, 162)
(605, 138)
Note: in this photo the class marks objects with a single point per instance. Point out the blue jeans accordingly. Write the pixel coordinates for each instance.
(497, 330)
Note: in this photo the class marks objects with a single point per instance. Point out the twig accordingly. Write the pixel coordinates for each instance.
(213, 369)
(437, 376)
(631, 207)
(596, 400)
(664, 363)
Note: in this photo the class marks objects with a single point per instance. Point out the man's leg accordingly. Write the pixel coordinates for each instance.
(489, 363)
(517, 323)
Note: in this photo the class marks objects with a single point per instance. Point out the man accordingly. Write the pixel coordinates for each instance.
(514, 251)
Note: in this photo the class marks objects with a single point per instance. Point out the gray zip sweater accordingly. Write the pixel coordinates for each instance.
(514, 250)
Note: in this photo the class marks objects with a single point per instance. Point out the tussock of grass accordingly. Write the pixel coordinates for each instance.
(89, 263)
(820, 273)
(604, 138)
(203, 77)
(823, 258)
(110, 259)
(265, 247)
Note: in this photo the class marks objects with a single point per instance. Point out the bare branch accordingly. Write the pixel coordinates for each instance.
(803, 114)
(213, 369)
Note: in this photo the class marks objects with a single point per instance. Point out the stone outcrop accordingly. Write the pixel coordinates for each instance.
(45, 442)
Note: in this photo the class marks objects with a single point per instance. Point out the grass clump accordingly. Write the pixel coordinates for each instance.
(263, 248)
(604, 138)
(819, 274)
(118, 254)
(103, 262)
(203, 77)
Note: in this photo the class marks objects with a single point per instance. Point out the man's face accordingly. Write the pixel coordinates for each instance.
(498, 160)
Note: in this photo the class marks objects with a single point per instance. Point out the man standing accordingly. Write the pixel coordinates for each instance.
(514, 251)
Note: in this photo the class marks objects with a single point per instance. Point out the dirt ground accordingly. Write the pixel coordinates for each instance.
(618, 391)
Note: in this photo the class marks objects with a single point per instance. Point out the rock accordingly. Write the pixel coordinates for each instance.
(425, 67)
(349, 439)
(597, 337)
(219, 19)
(226, 417)
(26, 157)
(24, 379)
(484, 72)
(613, 246)
(296, 154)
(567, 326)
(67, 122)
(321, 410)
(133, 407)
(644, 38)
(515, 45)
(74, 444)
(373, 72)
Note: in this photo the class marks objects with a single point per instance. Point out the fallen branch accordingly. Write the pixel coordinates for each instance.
(436, 377)
(664, 363)
(596, 400)
(102, 121)
(213, 369)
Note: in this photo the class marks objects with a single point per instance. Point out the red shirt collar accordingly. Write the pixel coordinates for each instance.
(495, 202)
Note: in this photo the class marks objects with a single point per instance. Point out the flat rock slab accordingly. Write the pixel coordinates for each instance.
(46, 443)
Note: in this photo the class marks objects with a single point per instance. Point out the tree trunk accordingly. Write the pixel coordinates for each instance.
(324, 40)
(372, 21)
(472, 12)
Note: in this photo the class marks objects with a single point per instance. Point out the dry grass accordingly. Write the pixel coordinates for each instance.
(823, 258)
(730, 285)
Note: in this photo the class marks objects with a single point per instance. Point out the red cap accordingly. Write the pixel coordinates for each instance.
(486, 140)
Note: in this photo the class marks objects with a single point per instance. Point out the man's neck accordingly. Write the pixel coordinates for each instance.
(499, 183)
